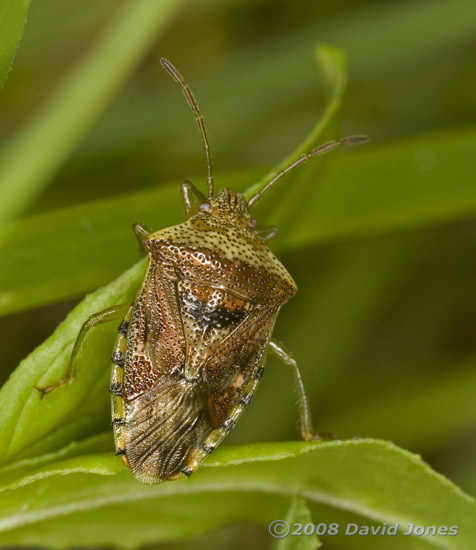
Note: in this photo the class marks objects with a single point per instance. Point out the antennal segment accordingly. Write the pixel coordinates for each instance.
(201, 124)
(351, 140)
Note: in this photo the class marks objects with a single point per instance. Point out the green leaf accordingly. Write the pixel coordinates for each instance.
(409, 183)
(69, 506)
(13, 14)
(25, 432)
(300, 514)
(285, 200)
(79, 100)
(333, 65)
(77, 249)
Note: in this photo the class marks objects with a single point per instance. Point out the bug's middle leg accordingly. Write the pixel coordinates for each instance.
(307, 431)
(104, 316)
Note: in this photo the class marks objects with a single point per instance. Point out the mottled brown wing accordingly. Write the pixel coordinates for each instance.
(163, 425)
(165, 415)
(234, 366)
(156, 343)
(226, 336)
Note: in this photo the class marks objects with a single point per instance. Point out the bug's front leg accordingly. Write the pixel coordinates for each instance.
(142, 233)
(280, 352)
(267, 232)
(192, 198)
(104, 316)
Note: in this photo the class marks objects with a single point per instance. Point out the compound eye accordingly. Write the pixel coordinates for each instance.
(253, 223)
(205, 207)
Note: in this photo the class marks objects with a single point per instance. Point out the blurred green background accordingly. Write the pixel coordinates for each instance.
(384, 321)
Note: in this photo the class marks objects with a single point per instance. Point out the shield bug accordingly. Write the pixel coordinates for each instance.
(191, 348)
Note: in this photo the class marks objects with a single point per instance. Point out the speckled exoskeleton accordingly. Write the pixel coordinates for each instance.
(190, 350)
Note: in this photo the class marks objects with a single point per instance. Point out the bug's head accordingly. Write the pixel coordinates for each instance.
(229, 206)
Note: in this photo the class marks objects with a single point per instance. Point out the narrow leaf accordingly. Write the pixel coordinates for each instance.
(78, 102)
(285, 532)
(408, 183)
(333, 65)
(25, 418)
(374, 479)
(13, 14)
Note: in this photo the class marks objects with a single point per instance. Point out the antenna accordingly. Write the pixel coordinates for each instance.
(351, 140)
(201, 124)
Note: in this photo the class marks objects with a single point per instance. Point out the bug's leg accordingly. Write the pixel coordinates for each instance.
(277, 350)
(104, 316)
(142, 233)
(192, 198)
(267, 232)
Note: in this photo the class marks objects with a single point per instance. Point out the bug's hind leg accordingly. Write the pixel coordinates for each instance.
(192, 198)
(104, 316)
(307, 431)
